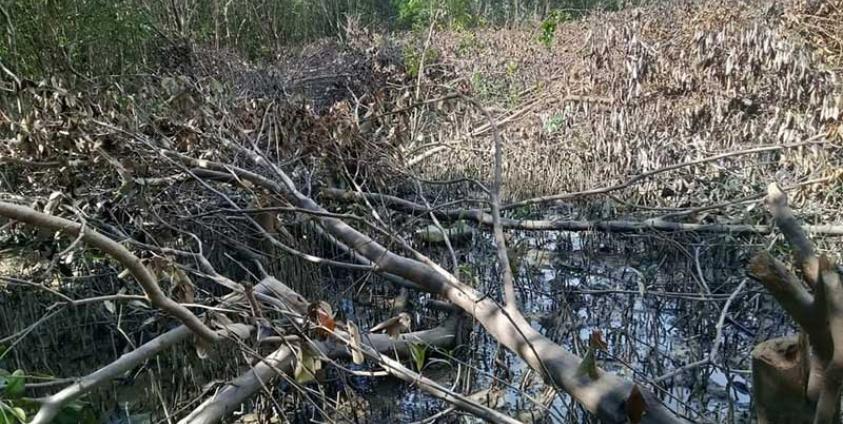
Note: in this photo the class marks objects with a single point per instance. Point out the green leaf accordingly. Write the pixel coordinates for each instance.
(76, 412)
(18, 413)
(419, 353)
(588, 366)
(15, 384)
(11, 414)
(306, 366)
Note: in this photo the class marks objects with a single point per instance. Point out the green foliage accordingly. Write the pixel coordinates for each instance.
(11, 414)
(417, 14)
(493, 89)
(87, 38)
(521, 212)
(102, 36)
(554, 123)
(482, 86)
(548, 26)
(413, 13)
(588, 366)
(13, 384)
(115, 37)
(413, 59)
(76, 413)
(419, 353)
(466, 273)
(511, 69)
(468, 43)
(14, 408)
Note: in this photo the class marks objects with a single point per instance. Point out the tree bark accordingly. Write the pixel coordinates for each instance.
(798, 380)
(778, 383)
(227, 400)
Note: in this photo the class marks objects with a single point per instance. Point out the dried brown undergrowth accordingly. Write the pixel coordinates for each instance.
(625, 93)
(642, 89)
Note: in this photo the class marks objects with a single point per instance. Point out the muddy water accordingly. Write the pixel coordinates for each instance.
(617, 289)
(649, 306)
(569, 284)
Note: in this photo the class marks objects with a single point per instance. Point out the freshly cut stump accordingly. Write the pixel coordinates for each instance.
(778, 383)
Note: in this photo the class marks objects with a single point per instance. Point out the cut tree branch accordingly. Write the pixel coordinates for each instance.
(818, 373)
(613, 226)
(605, 397)
(229, 398)
(142, 274)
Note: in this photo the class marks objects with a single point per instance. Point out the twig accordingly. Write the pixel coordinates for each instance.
(714, 352)
(143, 275)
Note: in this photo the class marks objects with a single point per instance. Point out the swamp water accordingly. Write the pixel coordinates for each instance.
(658, 311)
(656, 303)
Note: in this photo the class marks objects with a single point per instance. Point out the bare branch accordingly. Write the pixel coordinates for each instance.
(612, 226)
(803, 248)
(828, 405)
(603, 397)
(785, 287)
(143, 275)
(51, 405)
(229, 398)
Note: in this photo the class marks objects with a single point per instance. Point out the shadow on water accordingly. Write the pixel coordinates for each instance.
(657, 304)
(656, 300)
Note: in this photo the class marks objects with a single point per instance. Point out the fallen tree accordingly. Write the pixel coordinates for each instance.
(605, 396)
(144, 276)
(611, 226)
(250, 174)
(273, 293)
(282, 361)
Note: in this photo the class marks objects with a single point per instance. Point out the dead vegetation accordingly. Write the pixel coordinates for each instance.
(215, 176)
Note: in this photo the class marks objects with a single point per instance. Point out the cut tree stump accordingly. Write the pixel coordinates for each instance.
(778, 382)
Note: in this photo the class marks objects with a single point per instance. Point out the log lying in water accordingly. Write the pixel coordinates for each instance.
(612, 226)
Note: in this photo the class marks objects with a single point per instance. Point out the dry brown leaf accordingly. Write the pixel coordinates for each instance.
(635, 406)
(395, 325)
(183, 291)
(320, 314)
(596, 341)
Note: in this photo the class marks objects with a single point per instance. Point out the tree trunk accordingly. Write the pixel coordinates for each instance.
(778, 381)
